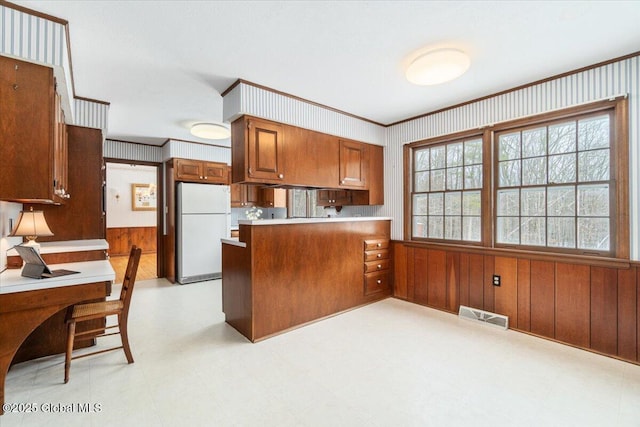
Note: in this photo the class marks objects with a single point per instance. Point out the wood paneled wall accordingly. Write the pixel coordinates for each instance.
(590, 306)
(121, 239)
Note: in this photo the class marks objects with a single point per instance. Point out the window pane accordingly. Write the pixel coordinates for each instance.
(534, 171)
(420, 226)
(509, 173)
(473, 152)
(593, 165)
(453, 203)
(473, 176)
(454, 179)
(453, 227)
(593, 233)
(471, 203)
(509, 146)
(534, 142)
(454, 154)
(533, 202)
(593, 133)
(561, 201)
(593, 200)
(436, 204)
(436, 224)
(421, 159)
(421, 181)
(508, 230)
(561, 232)
(532, 231)
(562, 168)
(562, 138)
(471, 228)
(420, 204)
(437, 157)
(437, 180)
(508, 202)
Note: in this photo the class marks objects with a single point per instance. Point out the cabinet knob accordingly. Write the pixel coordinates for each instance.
(379, 255)
(379, 266)
(342, 182)
(206, 177)
(15, 87)
(379, 281)
(281, 176)
(379, 244)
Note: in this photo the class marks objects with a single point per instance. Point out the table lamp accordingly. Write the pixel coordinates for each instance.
(31, 224)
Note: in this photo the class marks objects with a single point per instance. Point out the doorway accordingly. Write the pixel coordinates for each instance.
(131, 201)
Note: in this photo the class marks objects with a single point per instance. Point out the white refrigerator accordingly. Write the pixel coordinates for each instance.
(203, 218)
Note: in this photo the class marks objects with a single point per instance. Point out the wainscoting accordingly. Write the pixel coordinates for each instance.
(585, 303)
(122, 238)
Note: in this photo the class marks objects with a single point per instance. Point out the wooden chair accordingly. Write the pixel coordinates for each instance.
(96, 310)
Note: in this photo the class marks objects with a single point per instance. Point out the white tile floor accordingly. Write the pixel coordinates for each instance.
(387, 364)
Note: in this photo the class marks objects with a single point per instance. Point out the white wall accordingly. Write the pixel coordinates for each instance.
(120, 176)
(8, 211)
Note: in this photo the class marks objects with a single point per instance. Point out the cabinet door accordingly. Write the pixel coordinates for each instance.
(236, 195)
(189, 170)
(215, 172)
(353, 164)
(273, 197)
(26, 131)
(265, 150)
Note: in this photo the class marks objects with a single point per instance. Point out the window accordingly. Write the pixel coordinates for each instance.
(303, 204)
(447, 183)
(557, 184)
(554, 185)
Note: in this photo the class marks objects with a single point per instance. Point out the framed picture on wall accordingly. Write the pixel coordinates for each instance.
(143, 197)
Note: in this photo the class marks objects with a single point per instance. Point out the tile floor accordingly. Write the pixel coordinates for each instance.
(391, 363)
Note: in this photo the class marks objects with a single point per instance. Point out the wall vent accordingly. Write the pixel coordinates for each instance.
(484, 317)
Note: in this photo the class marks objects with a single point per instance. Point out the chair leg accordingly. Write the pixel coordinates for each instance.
(71, 333)
(124, 335)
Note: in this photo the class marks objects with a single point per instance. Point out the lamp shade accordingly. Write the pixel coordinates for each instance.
(210, 131)
(31, 224)
(438, 66)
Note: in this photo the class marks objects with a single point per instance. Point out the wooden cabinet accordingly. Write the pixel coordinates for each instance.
(257, 151)
(353, 164)
(333, 197)
(272, 198)
(200, 171)
(83, 215)
(312, 159)
(32, 131)
(376, 265)
(243, 195)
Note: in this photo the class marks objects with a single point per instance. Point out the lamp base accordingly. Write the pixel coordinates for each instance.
(32, 244)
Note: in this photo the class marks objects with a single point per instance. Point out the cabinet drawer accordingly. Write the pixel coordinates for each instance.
(376, 265)
(375, 255)
(376, 282)
(373, 244)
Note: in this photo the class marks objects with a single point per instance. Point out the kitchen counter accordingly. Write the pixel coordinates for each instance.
(310, 220)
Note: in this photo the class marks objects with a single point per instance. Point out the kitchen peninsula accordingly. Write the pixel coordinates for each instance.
(282, 274)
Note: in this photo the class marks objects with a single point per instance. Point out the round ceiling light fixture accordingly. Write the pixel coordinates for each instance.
(210, 131)
(438, 66)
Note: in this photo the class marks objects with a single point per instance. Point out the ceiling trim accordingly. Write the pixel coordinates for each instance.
(288, 95)
(196, 142)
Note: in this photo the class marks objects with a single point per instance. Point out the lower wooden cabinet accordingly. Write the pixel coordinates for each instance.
(376, 265)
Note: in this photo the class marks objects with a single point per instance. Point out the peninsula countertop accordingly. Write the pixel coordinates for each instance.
(284, 221)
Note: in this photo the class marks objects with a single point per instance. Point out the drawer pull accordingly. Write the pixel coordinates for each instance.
(379, 266)
(379, 255)
(379, 245)
(379, 281)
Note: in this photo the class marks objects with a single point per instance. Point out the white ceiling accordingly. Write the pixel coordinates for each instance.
(163, 64)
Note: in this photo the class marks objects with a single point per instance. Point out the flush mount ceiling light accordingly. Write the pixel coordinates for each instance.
(438, 66)
(210, 131)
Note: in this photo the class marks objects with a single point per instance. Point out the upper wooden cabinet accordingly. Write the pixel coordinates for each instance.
(257, 151)
(244, 195)
(201, 171)
(261, 149)
(32, 134)
(353, 164)
(272, 198)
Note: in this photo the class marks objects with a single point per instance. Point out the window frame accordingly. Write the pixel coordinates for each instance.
(618, 178)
